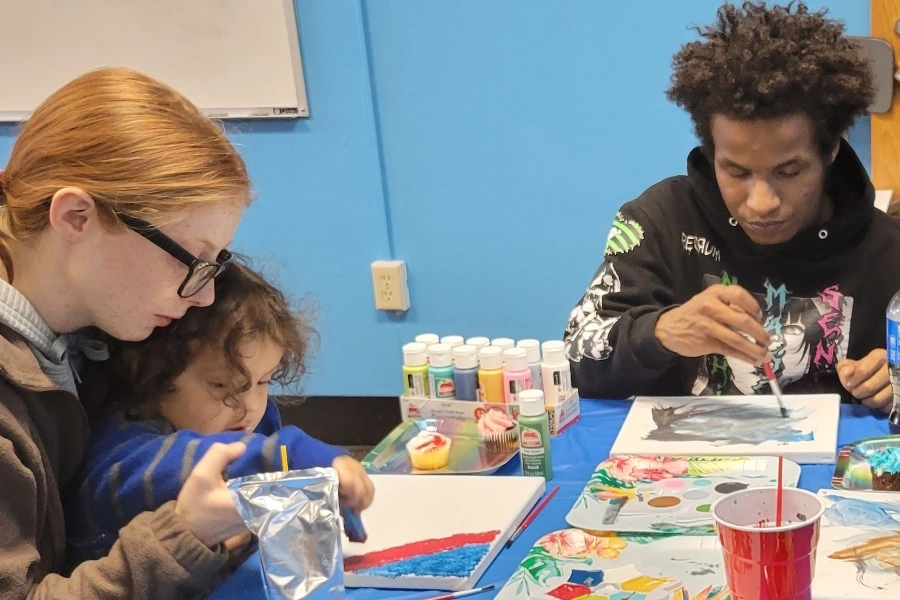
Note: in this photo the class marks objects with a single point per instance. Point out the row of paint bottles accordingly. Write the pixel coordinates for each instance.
(488, 371)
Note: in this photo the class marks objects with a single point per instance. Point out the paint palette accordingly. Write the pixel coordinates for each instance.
(858, 555)
(576, 565)
(656, 494)
(468, 454)
(852, 471)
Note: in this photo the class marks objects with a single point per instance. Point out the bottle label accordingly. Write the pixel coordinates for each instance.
(562, 382)
(415, 382)
(893, 343)
(532, 452)
(516, 386)
(442, 387)
(531, 438)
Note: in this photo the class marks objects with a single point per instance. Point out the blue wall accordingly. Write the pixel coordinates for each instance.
(483, 143)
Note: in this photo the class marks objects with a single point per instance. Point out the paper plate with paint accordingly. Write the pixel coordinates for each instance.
(853, 470)
(656, 494)
(573, 564)
(468, 453)
(858, 555)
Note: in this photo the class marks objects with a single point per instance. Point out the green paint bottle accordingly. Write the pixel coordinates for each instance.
(415, 370)
(534, 435)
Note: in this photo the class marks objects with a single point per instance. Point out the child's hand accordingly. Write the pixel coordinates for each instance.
(356, 490)
(205, 503)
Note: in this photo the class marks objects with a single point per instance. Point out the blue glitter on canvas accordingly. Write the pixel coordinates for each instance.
(459, 562)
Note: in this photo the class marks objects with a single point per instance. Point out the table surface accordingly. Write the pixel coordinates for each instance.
(575, 454)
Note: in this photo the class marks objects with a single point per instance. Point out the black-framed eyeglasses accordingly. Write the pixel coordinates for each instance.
(200, 272)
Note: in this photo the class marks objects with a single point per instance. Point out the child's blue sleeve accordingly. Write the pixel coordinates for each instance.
(136, 466)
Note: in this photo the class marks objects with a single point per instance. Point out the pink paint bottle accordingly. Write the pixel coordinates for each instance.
(516, 374)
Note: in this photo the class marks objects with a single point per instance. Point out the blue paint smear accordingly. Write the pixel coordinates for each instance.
(459, 562)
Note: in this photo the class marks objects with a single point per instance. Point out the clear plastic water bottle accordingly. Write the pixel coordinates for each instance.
(893, 352)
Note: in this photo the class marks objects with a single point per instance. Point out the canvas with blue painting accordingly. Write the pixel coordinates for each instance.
(732, 426)
(858, 556)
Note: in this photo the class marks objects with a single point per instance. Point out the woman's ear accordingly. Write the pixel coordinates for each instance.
(73, 214)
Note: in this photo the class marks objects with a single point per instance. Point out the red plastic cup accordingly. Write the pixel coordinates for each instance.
(764, 562)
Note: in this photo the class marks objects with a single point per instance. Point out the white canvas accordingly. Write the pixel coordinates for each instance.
(858, 557)
(733, 426)
(411, 509)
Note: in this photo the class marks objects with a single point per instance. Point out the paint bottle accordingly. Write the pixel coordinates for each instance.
(453, 340)
(465, 372)
(490, 375)
(534, 435)
(478, 342)
(503, 343)
(415, 370)
(440, 372)
(556, 373)
(427, 339)
(533, 348)
(516, 374)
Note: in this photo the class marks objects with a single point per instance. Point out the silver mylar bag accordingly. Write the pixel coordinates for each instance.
(295, 516)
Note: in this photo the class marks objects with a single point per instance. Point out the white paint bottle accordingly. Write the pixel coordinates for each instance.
(533, 348)
(555, 373)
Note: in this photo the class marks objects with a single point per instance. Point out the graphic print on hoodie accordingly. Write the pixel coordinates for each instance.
(823, 293)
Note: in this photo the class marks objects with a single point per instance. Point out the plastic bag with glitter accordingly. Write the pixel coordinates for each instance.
(295, 516)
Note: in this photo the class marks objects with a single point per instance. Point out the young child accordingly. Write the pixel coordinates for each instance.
(204, 379)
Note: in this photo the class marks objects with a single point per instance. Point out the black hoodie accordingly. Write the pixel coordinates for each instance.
(824, 292)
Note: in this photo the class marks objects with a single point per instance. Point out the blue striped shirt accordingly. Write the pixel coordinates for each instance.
(135, 466)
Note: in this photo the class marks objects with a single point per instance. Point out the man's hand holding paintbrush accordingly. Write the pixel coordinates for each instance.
(726, 320)
(722, 319)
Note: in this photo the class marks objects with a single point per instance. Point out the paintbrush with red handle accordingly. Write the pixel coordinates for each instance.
(776, 389)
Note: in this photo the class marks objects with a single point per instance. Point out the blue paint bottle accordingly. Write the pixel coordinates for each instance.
(465, 372)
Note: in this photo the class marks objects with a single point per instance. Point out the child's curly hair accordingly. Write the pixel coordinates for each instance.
(247, 307)
(758, 63)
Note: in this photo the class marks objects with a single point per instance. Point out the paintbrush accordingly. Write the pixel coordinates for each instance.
(531, 516)
(464, 593)
(776, 389)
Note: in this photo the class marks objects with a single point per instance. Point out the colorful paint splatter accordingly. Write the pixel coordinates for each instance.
(576, 565)
(455, 556)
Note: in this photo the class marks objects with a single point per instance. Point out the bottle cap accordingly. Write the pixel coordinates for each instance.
(415, 355)
(531, 403)
(515, 359)
(491, 358)
(554, 352)
(533, 348)
(503, 343)
(465, 357)
(441, 355)
(478, 342)
(453, 340)
(428, 338)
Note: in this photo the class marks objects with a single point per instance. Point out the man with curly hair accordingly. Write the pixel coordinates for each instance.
(761, 252)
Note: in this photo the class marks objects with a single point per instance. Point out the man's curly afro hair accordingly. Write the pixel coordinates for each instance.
(759, 63)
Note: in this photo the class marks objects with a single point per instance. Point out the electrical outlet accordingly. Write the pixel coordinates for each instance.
(389, 284)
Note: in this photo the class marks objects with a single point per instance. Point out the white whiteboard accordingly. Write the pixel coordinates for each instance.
(232, 58)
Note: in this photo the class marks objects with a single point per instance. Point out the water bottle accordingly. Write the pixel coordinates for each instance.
(893, 352)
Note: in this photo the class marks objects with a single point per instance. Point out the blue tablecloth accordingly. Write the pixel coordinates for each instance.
(575, 454)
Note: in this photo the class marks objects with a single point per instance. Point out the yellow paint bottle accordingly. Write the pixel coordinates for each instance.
(490, 375)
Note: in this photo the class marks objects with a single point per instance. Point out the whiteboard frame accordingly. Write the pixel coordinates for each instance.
(224, 113)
